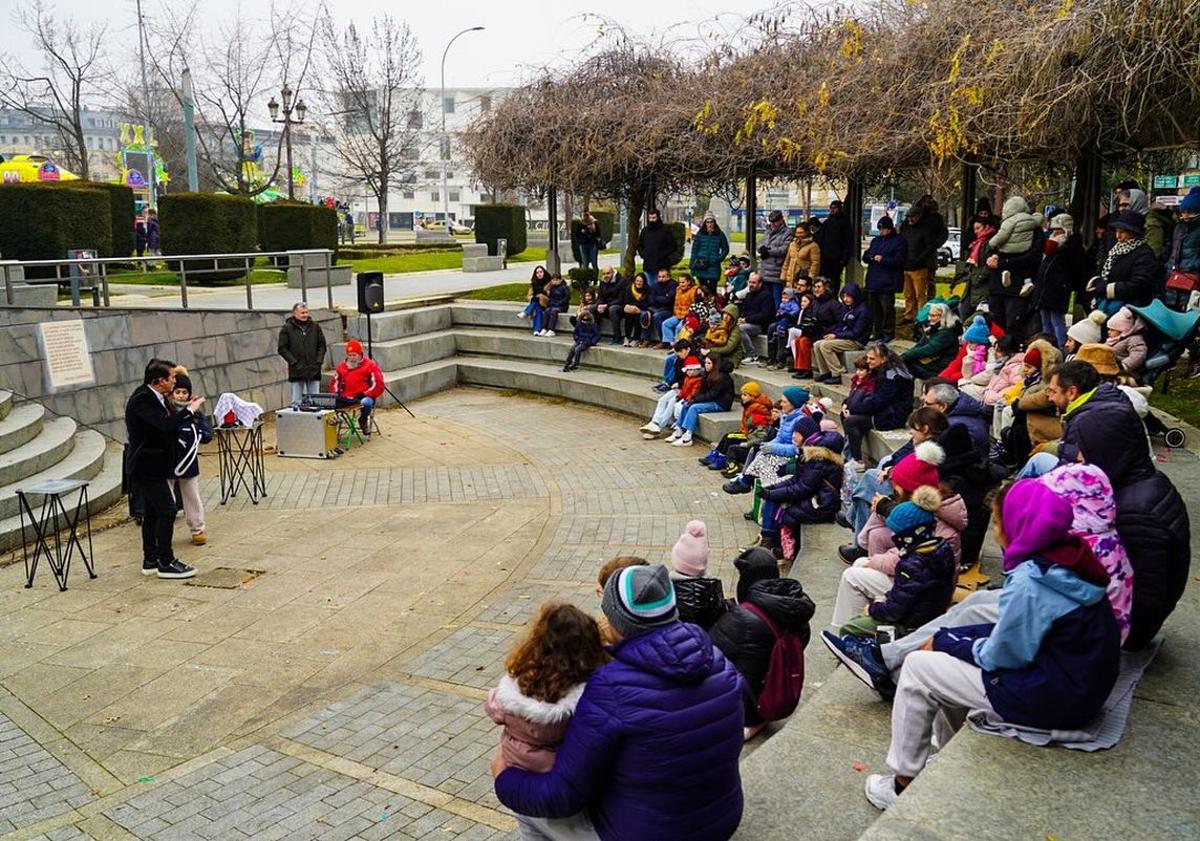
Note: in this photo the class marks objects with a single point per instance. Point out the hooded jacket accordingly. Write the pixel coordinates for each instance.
(658, 248)
(187, 446)
(533, 729)
(708, 252)
(1019, 228)
(1053, 655)
(1061, 272)
(890, 402)
(1151, 517)
(731, 348)
(828, 309)
(586, 333)
(813, 493)
(803, 254)
(975, 416)
(922, 586)
(855, 322)
(782, 444)
(1041, 416)
(756, 413)
(632, 755)
(747, 640)
(355, 383)
(886, 276)
(776, 243)
(302, 346)
(559, 295)
(933, 353)
(683, 301)
(1010, 374)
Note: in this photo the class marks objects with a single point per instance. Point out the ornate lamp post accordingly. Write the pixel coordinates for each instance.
(289, 108)
(444, 152)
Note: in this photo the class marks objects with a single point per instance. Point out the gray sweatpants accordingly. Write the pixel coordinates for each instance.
(575, 828)
(979, 608)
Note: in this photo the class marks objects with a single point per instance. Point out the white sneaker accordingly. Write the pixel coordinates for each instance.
(856, 465)
(649, 436)
(549, 334)
(675, 435)
(627, 343)
(684, 441)
(881, 790)
(521, 315)
(1027, 288)
(651, 427)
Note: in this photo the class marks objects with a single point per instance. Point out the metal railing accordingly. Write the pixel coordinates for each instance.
(93, 273)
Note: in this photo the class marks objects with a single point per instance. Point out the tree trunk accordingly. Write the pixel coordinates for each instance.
(383, 212)
(81, 143)
(637, 203)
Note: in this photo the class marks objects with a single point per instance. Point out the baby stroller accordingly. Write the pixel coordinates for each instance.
(1168, 334)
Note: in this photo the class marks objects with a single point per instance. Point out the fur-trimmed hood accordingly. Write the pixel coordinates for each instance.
(818, 453)
(512, 700)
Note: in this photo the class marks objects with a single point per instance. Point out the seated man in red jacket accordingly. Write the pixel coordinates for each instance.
(358, 380)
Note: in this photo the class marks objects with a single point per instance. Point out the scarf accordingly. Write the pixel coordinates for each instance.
(980, 241)
(638, 295)
(1121, 248)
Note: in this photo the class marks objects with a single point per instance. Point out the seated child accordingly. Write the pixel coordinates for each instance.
(692, 371)
(973, 365)
(778, 348)
(738, 452)
(555, 299)
(1050, 660)
(756, 412)
(1086, 331)
(1003, 372)
(613, 565)
(545, 676)
(800, 337)
(1126, 340)
(701, 600)
(587, 334)
(812, 493)
(922, 583)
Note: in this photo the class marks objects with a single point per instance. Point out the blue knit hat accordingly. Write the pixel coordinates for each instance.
(1191, 202)
(907, 518)
(639, 599)
(796, 395)
(805, 427)
(977, 333)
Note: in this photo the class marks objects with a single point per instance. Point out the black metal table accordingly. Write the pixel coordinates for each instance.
(49, 524)
(240, 459)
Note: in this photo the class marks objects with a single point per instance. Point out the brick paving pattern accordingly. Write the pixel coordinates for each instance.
(265, 795)
(520, 604)
(470, 656)
(33, 784)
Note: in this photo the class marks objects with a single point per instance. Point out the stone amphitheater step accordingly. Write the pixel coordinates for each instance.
(21, 425)
(85, 460)
(801, 783)
(51, 445)
(6, 403)
(397, 324)
(104, 491)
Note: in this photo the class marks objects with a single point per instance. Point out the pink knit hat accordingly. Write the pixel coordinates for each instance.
(919, 468)
(828, 425)
(689, 555)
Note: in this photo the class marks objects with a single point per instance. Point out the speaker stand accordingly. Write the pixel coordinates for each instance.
(371, 354)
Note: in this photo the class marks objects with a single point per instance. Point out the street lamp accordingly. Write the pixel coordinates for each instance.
(444, 152)
(288, 120)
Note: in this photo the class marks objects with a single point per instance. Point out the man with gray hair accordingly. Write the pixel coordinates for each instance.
(961, 410)
(776, 239)
(302, 346)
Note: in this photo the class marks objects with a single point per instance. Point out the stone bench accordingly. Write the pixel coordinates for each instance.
(315, 276)
(476, 259)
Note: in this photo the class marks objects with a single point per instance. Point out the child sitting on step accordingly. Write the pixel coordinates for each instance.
(680, 392)
(187, 467)
(544, 679)
(700, 599)
(756, 413)
(587, 334)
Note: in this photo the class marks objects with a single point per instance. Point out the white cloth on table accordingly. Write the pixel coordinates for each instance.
(245, 411)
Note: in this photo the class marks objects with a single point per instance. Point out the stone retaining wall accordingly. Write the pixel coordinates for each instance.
(223, 351)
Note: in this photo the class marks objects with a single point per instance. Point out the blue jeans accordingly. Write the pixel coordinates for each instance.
(691, 415)
(670, 329)
(664, 412)
(659, 317)
(1039, 464)
(1055, 324)
(531, 307)
(368, 403)
(860, 501)
(589, 254)
(776, 292)
(668, 367)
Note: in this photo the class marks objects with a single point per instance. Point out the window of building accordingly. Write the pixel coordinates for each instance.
(435, 195)
(485, 104)
(409, 194)
(454, 195)
(431, 174)
(448, 104)
(415, 119)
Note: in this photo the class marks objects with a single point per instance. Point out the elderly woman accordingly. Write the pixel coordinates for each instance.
(938, 348)
(1130, 271)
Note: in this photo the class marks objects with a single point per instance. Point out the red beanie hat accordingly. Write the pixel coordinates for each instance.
(354, 346)
(919, 468)
(1033, 357)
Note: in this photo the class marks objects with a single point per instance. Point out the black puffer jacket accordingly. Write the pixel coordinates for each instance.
(302, 346)
(1151, 517)
(658, 247)
(701, 601)
(1020, 267)
(747, 641)
(1061, 273)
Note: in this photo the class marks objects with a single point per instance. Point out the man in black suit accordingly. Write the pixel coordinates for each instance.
(152, 425)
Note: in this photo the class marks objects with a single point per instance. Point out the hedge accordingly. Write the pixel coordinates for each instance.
(206, 223)
(120, 200)
(293, 226)
(500, 221)
(40, 222)
(604, 219)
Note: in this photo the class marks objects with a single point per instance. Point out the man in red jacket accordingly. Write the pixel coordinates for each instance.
(358, 379)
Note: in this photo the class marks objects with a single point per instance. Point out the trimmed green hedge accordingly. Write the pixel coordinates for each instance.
(40, 222)
(206, 223)
(500, 221)
(293, 225)
(120, 199)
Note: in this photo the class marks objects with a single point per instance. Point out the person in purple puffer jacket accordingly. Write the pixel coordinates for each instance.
(850, 333)
(633, 765)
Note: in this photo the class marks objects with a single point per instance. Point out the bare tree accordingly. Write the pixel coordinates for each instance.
(374, 101)
(234, 71)
(73, 71)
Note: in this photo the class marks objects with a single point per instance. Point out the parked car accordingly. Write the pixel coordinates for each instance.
(951, 249)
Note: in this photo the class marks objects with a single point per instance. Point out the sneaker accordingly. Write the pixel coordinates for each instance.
(627, 343)
(549, 334)
(881, 790)
(175, 568)
(149, 567)
(732, 470)
(661, 388)
(708, 457)
(737, 486)
(750, 360)
(651, 427)
(675, 435)
(851, 552)
(685, 440)
(718, 463)
(862, 657)
(200, 538)
(1006, 278)
(1026, 288)
(856, 465)
(522, 315)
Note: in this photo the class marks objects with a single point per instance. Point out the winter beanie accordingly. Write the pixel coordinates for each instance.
(1064, 221)
(977, 333)
(639, 599)
(689, 555)
(829, 425)
(919, 468)
(805, 426)
(752, 389)
(1087, 331)
(796, 395)
(908, 517)
(692, 364)
(1191, 202)
(754, 565)
(183, 381)
(1033, 357)
(1123, 321)
(354, 346)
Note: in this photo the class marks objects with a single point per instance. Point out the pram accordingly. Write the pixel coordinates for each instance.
(1168, 334)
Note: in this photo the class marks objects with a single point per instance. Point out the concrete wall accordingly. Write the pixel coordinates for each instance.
(222, 350)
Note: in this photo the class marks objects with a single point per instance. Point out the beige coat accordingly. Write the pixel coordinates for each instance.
(801, 254)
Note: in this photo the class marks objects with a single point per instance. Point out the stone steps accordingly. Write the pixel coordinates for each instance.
(51, 445)
(6, 403)
(20, 426)
(85, 460)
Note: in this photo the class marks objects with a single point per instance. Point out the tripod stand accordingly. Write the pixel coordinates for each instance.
(371, 354)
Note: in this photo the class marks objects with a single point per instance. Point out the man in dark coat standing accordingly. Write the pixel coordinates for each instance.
(152, 427)
(302, 346)
(836, 239)
(657, 246)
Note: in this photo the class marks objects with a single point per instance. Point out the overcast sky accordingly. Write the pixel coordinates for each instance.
(518, 34)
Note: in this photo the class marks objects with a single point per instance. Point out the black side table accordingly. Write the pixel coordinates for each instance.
(48, 525)
(240, 455)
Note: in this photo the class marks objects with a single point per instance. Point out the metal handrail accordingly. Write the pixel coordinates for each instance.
(247, 258)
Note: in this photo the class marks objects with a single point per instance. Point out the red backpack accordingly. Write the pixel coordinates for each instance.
(785, 672)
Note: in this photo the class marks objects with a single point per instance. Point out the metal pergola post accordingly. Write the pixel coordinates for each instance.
(752, 218)
(853, 208)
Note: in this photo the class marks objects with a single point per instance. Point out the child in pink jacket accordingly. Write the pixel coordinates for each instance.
(546, 673)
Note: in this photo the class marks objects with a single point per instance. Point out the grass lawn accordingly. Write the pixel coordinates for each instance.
(514, 292)
(257, 277)
(1183, 401)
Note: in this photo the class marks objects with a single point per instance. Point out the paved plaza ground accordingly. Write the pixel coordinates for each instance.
(323, 677)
